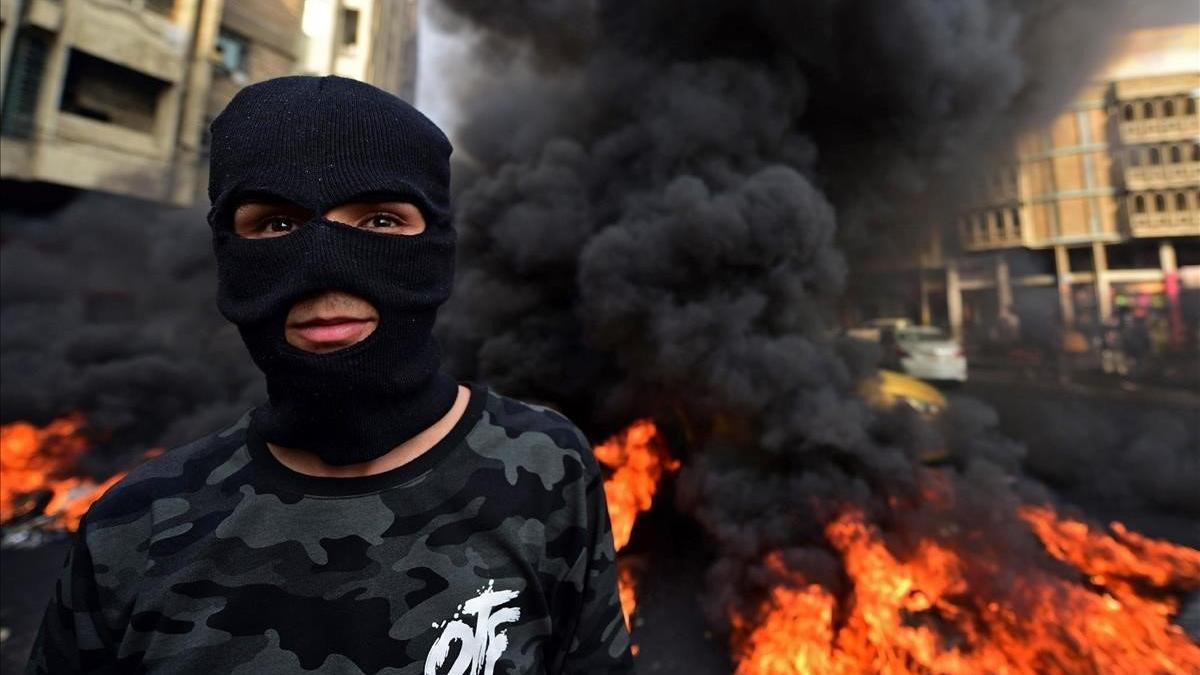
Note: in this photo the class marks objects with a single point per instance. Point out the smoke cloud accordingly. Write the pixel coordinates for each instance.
(107, 307)
(660, 206)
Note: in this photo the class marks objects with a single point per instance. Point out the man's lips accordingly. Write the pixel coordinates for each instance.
(332, 330)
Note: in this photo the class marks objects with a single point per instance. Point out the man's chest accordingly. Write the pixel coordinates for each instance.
(276, 587)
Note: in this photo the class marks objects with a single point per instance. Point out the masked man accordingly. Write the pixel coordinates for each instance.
(374, 515)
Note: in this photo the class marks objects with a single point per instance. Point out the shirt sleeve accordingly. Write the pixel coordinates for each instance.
(73, 637)
(600, 642)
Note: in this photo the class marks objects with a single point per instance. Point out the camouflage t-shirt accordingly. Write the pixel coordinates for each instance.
(490, 553)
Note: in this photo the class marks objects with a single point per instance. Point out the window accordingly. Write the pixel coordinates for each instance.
(1180, 201)
(164, 7)
(1168, 108)
(1148, 110)
(1128, 112)
(104, 91)
(29, 54)
(349, 27)
(1196, 152)
(1155, 156)
(1160, 203)
(231, 51)
(1176, 154)
(1139, 204)
(1016, 221)
(1135, 157)
(1190, 106)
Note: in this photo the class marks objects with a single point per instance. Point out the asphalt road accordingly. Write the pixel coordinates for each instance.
(1118, 450)
(993, 384)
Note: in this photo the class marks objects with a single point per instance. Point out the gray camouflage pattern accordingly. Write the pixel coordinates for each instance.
(497, 558)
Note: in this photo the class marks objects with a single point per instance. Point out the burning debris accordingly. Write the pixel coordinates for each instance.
(658, 211)
(106, 308)
(637, 458)
(922, 612)
(44, 488)
(39, 463)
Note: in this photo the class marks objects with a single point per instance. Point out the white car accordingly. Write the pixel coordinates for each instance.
(929, 353)
(875, 329)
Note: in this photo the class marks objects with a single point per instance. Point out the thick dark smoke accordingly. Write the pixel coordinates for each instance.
(662, 203)
(659, 206)
(107, 308)
(664, 197)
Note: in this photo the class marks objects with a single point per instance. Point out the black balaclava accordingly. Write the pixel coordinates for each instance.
(319, 142)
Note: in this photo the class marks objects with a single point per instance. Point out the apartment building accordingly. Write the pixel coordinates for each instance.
(370, 40)
(116, 95)
(1094, 214)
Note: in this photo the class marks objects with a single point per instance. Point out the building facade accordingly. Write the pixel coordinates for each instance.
(1092, 216)
(370, 40)
(116, 95)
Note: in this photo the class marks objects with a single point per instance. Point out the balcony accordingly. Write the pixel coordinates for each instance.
(1168, 224)
(1162, 176)
(1156, 129)
(987, 239)
(148, 43)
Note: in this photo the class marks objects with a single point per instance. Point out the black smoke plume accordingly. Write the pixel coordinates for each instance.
(107, 307)
(659, 206)
(661, 202)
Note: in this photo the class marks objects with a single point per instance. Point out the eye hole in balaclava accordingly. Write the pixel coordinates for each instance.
(379, 213)
(266, 217)
(315, 143)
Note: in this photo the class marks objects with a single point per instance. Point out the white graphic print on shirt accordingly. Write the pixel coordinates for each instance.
(481, 647)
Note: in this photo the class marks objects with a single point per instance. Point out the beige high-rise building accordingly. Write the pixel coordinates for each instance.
(1094, 214)
(116, 95)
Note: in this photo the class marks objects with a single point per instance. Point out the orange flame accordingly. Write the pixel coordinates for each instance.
(919, 615)
(627, 587)
(638, 457)
(35, 461)
(1121, 562)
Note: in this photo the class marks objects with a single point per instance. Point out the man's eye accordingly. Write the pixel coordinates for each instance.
(278, 225)
(384, 220)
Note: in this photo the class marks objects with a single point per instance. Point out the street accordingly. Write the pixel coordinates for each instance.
(1116, 449)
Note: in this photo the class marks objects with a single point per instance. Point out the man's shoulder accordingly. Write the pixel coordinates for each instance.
(515, 430)
(177, 473)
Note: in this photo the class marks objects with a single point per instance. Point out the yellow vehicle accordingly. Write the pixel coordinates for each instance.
(886, 389)
(889, 388)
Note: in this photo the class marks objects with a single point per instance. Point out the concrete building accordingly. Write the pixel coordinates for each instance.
(1097, 212)
(370, 40)
(256, 40)
(116, 95)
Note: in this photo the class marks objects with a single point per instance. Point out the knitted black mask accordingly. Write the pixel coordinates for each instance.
(318, 143)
